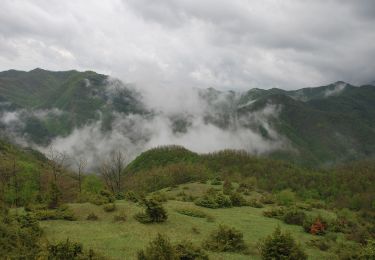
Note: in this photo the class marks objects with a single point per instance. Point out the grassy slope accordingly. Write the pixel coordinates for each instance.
(123, 240)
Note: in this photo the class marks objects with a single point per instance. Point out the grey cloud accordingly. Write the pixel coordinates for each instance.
(169, 44)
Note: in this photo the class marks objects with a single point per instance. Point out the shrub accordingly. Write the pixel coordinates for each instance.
(237, 200)
(63, 213)
(225, 239)
(315, 226)
(154, 212)
(223, 201)
(286, 197)
(132, 196)
(69, 250)
(275, 212)
(281, 246)
(120, 217)
(65, 250)
(92, 217)
(160, 196)
(192, 212)
(267, 199)
(227, 187)
(110, 207)
(54, 197)
(294, 217)
(187, 251)
(207, 202)
(255, 203)
(216, 181)
(159, 248)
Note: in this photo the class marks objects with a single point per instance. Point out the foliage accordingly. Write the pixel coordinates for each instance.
(286, 197)
(185, 250)
(294, 216)
(192, 212)
(238, 200)
(68, 250)
(120, 217)
(281, 246)
(92, 216)
(154, 212)
(158, 249)
(225, 239)
(110, 207)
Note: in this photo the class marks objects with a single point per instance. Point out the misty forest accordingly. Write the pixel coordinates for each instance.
(181, 130)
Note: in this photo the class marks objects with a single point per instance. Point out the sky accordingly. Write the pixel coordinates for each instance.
(237, 44)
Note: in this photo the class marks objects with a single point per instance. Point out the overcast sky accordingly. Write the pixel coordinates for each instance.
(236, 44)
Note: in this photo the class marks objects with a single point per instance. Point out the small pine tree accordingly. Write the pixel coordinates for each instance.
(155, 211)
(281, 246)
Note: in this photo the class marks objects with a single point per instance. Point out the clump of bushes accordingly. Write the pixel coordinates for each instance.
(286, 197)
(281, 246)
(110, 207)
(132, 196)
(162, 248)
(154, 212)
(275, 212)
(160, 196)
(255, 203)
(103, 197)
(63, 212)
(120, 217)
(225, 239)
(70, 250)
(92, 216)
(227, 187)
(315, 226)
(216, 181)
(237, 199)
(213, 199)
(192, 212)
(294, 217)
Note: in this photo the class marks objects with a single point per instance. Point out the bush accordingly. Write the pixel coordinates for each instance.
(294, 217)
(154, 212)
(187, 251)
(227, 187)
(286, 197)
(192, 212)
(92, 217)
(110, 207)
(63, 213)
(315, 226)
(70, 250)
(132, 196)
(216, 181)
(207, 202)
(225, 239)
(214, 200)
(281, 246)
(160, 196)
(65, 250)
(54, 197)
(159, 248)
(255, 203)
(275, 212)
(237, 199)
(120, 217)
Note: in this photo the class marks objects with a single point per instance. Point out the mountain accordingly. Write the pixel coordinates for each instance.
(311, 126)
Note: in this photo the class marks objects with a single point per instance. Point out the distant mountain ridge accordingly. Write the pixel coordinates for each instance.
(322, 125)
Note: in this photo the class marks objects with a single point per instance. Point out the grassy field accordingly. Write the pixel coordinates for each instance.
(122, 240)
